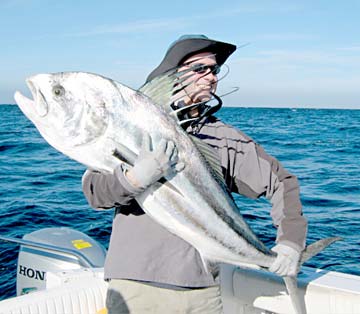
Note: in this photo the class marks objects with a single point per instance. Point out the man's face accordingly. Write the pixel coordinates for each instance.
(203, 77)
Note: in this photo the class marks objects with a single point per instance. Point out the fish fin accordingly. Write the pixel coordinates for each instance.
(212, 158)
(160, 90)
(124, 154)
(311, 250)
(297, 301)
(165, 88)
(316, 247)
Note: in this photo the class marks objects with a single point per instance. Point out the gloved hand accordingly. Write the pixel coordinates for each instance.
(286, 262)
(151, 165)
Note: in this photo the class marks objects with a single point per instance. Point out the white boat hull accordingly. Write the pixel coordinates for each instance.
(250, 291)
(75, 292)
(244, 291)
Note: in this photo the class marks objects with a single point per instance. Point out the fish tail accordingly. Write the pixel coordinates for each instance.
(311, 250)
(297, 301)
(316, 247)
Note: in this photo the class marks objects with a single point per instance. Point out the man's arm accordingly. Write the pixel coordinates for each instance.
(250, 171)
(262, 175)
(106, 190)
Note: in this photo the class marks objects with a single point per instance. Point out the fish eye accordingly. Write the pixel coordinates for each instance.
(58, 90)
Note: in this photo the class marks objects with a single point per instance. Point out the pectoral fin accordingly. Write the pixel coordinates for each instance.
(124, 154)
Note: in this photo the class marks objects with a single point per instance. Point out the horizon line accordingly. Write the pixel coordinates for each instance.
(265, 107)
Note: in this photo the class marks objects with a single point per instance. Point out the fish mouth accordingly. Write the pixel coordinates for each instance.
(38, 102)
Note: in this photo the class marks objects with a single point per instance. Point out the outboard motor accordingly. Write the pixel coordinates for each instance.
(54, 249)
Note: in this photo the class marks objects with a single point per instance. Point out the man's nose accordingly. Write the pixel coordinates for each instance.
(211, 76)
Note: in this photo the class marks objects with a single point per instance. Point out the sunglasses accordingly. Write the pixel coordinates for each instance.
(200, 68)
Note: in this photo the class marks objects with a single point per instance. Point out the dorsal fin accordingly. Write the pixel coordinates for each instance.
(163, 89)
(211, 158)
(160, 90)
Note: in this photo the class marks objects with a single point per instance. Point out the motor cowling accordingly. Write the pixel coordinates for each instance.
(54, 249)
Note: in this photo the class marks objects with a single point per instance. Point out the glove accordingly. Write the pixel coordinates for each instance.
(151, 165)
(286, 262)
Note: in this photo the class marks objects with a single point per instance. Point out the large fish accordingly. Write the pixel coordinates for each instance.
(101, 123)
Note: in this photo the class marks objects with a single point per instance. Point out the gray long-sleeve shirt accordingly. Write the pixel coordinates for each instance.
(141, 249)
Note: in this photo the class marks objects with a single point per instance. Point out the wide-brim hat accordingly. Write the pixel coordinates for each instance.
(188, 45)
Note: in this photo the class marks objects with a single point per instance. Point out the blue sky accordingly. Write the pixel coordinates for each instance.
(300, 53)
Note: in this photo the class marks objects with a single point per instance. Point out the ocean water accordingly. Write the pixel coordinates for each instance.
(40, 187)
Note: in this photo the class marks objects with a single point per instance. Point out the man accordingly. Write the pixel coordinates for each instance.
(152, 270)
